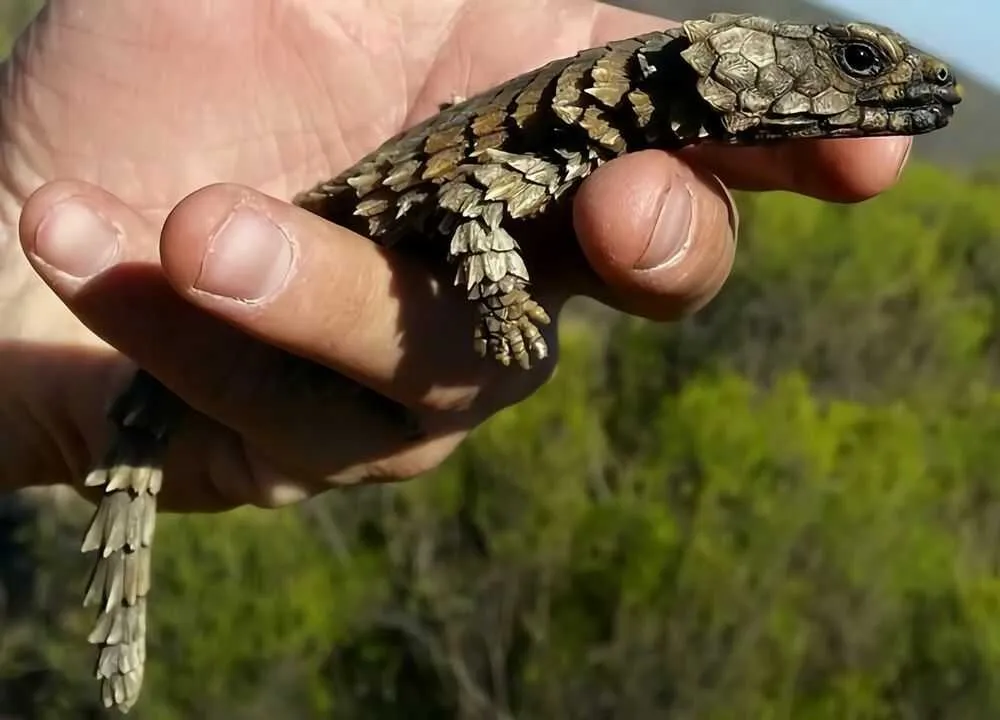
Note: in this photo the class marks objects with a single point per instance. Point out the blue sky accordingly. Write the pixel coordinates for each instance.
(962, 31)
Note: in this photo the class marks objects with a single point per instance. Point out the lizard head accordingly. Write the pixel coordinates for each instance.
(770, 80)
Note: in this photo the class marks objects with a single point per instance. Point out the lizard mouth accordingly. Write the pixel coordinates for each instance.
(940, 99)
(919, 108)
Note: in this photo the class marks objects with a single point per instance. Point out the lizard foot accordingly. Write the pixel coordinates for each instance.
(508, 328)
(492, 270)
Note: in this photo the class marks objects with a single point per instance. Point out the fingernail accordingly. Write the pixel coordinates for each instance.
(731, 208)
(671, 235)
(903, 157)
(76, 239)
(247, 259)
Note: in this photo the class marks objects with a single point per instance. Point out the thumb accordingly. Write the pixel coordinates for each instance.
(661, 236)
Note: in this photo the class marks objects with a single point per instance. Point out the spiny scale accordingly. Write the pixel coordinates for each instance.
(454, 183)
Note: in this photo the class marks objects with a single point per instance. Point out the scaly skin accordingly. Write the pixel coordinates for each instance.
(455, 183)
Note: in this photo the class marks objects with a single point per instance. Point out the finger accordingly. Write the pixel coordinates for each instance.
(661, 235)
(223, 471)
(73, 231)
(837, 170)
(214, 361)
(52, 420)
(294, 280)
(314, 424)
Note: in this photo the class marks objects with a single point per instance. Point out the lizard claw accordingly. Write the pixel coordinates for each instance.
(515, 338)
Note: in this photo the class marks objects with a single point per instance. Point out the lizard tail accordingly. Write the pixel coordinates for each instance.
(121, 531)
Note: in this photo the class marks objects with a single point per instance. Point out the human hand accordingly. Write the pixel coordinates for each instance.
(114, 113)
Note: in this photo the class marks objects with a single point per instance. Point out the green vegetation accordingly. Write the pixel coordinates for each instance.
(14, 15)
(786, 507)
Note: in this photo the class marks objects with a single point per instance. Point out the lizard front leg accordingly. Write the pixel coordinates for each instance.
(479, 202)
(495, 278)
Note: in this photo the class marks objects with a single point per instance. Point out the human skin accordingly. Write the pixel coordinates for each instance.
(136, 136)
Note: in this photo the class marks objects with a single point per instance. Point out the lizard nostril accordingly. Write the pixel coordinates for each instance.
(943, 76)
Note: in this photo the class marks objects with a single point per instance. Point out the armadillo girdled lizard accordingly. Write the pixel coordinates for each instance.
(456, 181)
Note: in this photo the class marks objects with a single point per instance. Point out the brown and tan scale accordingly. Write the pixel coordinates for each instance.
(465, 162)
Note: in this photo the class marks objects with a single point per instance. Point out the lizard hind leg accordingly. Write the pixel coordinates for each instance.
(491, 269)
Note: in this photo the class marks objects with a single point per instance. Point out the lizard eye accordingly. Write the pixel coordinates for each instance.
(860, 59)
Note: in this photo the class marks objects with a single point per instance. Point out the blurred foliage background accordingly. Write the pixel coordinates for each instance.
(785, 507)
